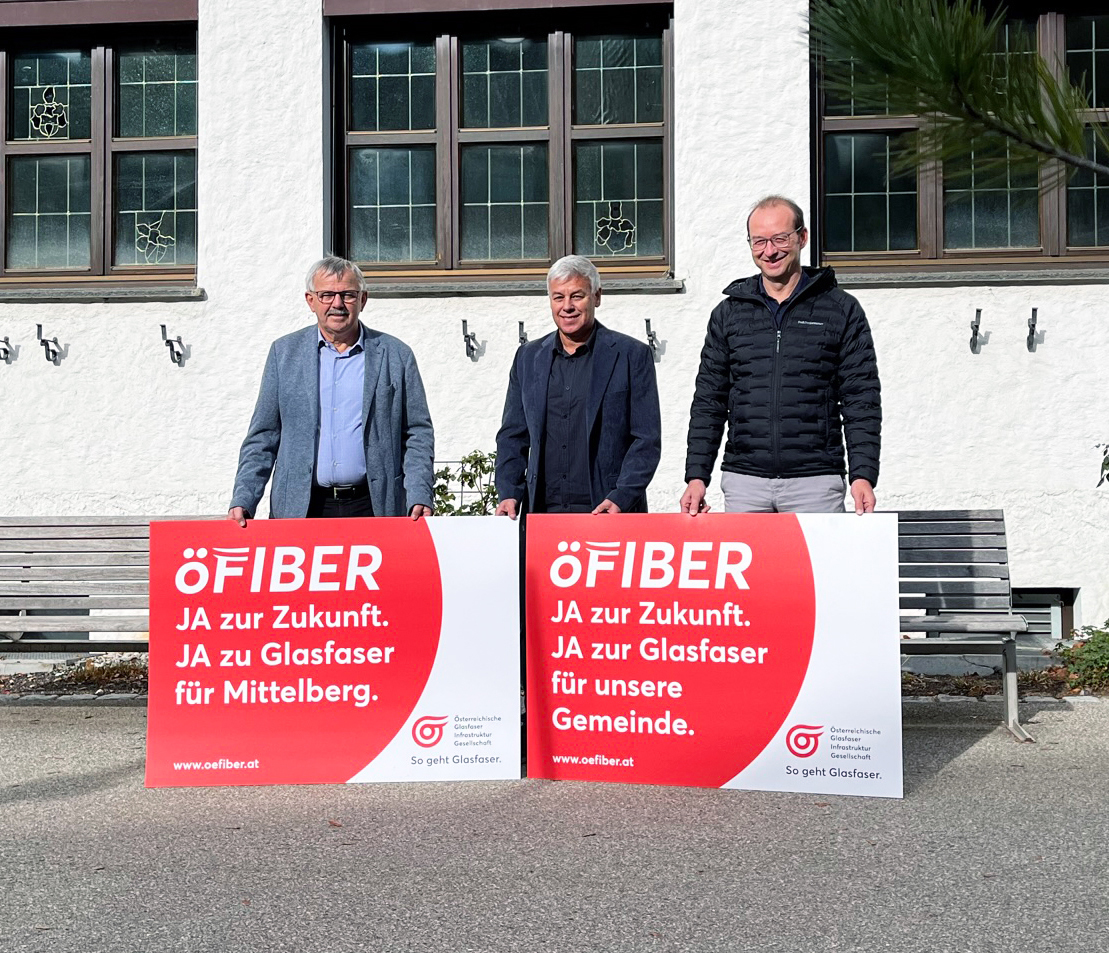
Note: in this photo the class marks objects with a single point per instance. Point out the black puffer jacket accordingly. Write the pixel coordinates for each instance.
(789, 396)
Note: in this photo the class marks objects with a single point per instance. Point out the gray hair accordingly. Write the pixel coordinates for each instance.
(575, 266)
(334, 267)
(769, 201)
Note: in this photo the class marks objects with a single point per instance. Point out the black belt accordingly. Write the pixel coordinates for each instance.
(350, 492)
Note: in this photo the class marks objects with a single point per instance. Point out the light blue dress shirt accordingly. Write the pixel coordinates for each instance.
(341, 452)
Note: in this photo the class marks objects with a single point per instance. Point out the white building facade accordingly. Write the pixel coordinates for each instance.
(715, 101)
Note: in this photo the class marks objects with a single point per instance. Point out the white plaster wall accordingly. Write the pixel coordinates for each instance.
(118, 429)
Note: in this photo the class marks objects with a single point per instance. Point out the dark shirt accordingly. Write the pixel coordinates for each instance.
(776, 307)
(565, 468)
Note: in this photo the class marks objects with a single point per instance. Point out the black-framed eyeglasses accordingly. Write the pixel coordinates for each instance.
(328, 296)
(781, 240)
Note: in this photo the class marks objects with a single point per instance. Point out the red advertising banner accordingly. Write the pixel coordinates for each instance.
(298, 651)
(710, 651)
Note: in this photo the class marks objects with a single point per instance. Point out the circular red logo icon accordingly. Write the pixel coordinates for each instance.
(803, 740)
(427, 732)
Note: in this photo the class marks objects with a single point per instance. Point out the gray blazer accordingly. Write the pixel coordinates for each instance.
(284, 431)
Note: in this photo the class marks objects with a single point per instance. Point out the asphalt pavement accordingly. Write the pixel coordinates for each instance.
(997, 846)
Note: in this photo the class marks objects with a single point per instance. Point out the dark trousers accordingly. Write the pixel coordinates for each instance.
(324, 506)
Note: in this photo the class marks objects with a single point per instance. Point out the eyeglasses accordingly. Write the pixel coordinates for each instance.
(328, 296)
(781, 240)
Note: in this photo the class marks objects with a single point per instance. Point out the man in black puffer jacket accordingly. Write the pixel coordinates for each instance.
(788, 365)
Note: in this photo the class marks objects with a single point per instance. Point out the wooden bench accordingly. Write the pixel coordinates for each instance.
(954, 585)
(61, 569)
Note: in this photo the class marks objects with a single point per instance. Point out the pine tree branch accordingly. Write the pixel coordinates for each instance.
(1049, 149)
(942, 60)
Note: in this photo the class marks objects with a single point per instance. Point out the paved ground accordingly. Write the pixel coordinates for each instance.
(997, 846)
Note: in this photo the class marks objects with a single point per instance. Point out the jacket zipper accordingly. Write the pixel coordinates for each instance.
(776, 377)
(775, 428)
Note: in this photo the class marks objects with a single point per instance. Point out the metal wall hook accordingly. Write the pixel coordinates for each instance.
(1032, 330)
(652, 339)
(50, 346)
(5, 349)
(470, 340)
(176, 348)
(523, 335)
(974, 330)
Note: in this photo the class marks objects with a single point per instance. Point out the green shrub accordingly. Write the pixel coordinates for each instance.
(467, 488)
(1087, 657)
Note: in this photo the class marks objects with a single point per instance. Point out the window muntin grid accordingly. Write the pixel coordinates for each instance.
(961, 225)
(868, 206)
(51, 95)
(392, 216)
(504, 83)
(49, 219)
(1017, 37)
(1088, 201)
(472, 53)
(617, 79)
(392, 87)
(618, 205)
(99, 237)
(1088, 56)
(154, 197)
(852, 103)
(504, 203)
(988, 210)
(156, 92)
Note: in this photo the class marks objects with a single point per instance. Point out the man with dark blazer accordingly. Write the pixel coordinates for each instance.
(341, 421)
(581, 429)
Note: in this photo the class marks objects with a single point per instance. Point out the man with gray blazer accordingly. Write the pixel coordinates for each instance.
(341, 421)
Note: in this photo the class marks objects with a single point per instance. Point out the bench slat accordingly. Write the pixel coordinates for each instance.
(72, 588)
(76, 532)
(998, 556)
(946, 543)
(75, 546)
(957, 602)
(74, 559)
(964, 645)
(75, 623)
(6, 521)
(85, 646)
(969, 528)
(74, 573)
(940, 586)
(73, 602)
(931, 516)
(963, 623)
(962, 571)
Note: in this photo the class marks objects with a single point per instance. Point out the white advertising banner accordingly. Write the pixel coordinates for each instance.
(310, 651)
(738, 651)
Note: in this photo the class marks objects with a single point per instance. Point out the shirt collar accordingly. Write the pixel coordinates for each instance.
(582, 349)
(804, 280)
(322, 342)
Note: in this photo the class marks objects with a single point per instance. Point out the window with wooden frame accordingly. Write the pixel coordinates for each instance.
(876, 218)
(490, 145)
(99, 155)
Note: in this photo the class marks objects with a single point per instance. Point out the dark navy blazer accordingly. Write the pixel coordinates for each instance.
(625, 427)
